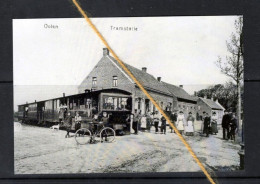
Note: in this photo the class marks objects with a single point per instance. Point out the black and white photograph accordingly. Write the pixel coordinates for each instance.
(76, 109)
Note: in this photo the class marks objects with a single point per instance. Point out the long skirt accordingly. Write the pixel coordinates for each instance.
(189, 128)
(180, 125)
(214, 128)
(143, 123)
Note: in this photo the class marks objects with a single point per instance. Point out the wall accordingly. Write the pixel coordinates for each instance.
(186, 108)
(104, 72)
(201, 106)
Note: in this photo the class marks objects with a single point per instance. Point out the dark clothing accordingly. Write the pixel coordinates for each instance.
(95, 125)
(233, 127)
(77, 126)
(163, 125)
(105, 121)
(136, 120)
(225, 125)
(206, 125)
(173, 118)
(68, 125)
(135, 127)
(68, 122)
(156, 123)
(214, 126)
(226, 133)
(225, 121)
(148, 123)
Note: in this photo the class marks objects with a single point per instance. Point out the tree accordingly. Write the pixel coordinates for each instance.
(225, 94)
(233, 66)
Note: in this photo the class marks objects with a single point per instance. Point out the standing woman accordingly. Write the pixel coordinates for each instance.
(148, 122)
(77, 121)
(143, 123)
(180, 122)
(68, 124)
(202, 124)
(156, 118)
(190, 125)
(214, 125)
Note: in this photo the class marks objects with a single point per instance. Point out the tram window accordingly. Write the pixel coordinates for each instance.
(114, 81)
(116, 103)
(122, 102)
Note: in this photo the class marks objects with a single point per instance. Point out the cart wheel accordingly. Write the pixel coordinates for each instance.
(107, 134)
(82, 136)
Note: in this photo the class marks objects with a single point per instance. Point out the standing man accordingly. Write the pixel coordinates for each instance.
(202, 124)
(206, 124)
(225, 125)
(156, 118)
(233, 127)
(135, 121)
(173, 118)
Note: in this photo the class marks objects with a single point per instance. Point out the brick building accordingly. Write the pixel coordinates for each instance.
(109, 74)
(209, 106)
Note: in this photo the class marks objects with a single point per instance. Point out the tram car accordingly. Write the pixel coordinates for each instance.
(117, 103)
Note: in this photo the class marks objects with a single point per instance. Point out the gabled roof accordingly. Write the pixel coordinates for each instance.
(179, 92)
(211, 103)
(146, 79)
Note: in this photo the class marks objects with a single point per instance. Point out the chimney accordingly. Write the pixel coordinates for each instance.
(195, 93)
(63, 94)
(181, 86)
(144, 69)
(105, 52)
(159, 79)
(35, 101)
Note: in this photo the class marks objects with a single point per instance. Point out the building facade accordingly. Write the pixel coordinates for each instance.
(109, 74)
(209, 106)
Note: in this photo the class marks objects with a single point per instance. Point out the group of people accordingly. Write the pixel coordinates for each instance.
(185, 125)
(182, 124)
(145, 122)
(229, 125)
(209, 125)
(67, 123)
(96, 122)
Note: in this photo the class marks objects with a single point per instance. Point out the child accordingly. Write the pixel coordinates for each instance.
(163, 125)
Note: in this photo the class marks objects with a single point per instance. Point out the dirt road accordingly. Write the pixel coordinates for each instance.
(44, 151)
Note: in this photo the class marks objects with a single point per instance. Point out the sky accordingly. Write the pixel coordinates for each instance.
(181, 50)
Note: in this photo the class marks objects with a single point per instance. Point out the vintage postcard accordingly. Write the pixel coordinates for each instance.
(76, 109)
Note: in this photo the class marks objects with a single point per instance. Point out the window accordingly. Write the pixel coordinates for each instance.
(169, 106)
(94, 82)
(116, 103)
(114, 81)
